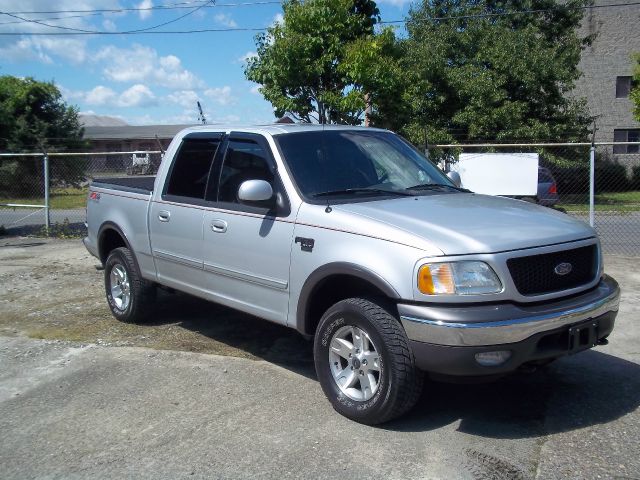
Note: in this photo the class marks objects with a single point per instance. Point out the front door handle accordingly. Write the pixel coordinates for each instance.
(219, 226)
(164, 215)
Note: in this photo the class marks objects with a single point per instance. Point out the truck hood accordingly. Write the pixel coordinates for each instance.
(464, 223)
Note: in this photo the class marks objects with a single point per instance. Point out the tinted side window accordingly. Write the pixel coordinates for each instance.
(190, 170)
(244, 160)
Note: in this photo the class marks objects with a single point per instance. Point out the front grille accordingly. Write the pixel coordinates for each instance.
(536, 275)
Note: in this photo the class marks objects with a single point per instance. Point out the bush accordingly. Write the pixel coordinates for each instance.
(21, 177)
(610, 177)
(635, 178)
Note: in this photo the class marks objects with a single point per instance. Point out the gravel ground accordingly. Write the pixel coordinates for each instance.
(206, 392)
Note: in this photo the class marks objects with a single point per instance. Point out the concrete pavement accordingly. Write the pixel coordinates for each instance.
(74, 411)
(85, 410)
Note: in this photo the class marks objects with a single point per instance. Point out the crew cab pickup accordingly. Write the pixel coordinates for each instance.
(353, 238)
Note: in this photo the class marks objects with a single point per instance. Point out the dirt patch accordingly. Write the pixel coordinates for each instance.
(52, 290)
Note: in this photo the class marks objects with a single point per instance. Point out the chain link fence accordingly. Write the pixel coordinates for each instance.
(607, 197)
(564, 183)
(47, 193)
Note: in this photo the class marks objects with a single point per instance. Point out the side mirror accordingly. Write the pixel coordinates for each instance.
(455, 178)
(255, 191)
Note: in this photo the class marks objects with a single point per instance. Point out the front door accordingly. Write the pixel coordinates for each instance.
(247, 247)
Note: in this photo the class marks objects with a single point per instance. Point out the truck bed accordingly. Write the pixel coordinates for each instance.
(140, 184)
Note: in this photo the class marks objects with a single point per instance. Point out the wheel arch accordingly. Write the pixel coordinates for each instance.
(110, 237)
(333, 282)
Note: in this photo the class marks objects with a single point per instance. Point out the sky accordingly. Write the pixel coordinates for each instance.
(146, 78)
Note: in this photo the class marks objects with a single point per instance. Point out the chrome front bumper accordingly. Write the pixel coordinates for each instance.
(503, 323)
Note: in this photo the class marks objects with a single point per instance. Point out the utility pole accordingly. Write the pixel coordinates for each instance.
(368, 110)
(592, 176)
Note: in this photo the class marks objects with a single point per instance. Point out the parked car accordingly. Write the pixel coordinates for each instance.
(547, 188)
(353, 238)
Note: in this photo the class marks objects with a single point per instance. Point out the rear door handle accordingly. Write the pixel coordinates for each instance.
(164, 215)
(219, 226)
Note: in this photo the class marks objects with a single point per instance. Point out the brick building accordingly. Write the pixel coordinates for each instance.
(607, 68)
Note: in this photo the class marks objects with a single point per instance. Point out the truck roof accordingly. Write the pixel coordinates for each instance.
(276, 129)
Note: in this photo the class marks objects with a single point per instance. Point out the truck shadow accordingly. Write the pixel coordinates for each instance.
(264, 340)
(574, 392)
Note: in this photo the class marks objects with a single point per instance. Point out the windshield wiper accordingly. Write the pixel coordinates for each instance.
(437, 186)
(355, 191)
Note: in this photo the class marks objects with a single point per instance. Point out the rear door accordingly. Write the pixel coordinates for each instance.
(246, 248)
(175, 221)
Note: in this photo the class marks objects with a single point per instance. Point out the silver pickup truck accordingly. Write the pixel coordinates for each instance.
(350, 236)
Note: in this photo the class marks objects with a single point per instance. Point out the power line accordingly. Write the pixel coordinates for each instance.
(13, 22)
(93, 13)
(209, 2)
(168, 32)
(260, 29)
(140, 30)
(171, 6)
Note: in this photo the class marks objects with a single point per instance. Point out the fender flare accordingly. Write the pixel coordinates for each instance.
(109, 225)
(336, 268)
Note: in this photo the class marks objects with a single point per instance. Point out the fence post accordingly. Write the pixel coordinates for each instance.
(46, 191)
(592, 182)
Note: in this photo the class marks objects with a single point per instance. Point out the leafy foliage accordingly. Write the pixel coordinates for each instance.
(323, 59)
(486, 77)
(635, 92)
(34, 117)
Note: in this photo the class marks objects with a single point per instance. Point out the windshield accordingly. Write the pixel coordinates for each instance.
(340, 162)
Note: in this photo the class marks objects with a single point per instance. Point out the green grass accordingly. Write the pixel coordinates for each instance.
(61, 199)
(604, 202)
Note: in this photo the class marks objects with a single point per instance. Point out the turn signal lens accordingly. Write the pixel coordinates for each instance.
(436, 279)
(458, 278)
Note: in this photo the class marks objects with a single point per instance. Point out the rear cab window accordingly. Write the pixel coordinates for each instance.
(189, 174)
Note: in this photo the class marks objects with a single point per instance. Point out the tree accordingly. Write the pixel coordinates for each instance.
(635, 92)
(34, 117)
(480, 75)
(303, 63)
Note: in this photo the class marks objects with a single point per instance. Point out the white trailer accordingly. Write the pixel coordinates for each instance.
(507, 174)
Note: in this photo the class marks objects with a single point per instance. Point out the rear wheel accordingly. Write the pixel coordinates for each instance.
(364, 363)
(129, 296)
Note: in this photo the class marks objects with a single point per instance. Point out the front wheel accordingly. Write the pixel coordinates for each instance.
(364, 363)
(129, 296)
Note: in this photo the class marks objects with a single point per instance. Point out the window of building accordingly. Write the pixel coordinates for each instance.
(190, 169)
(623, 87)
(627, 135)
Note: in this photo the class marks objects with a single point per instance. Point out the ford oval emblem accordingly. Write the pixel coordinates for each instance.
(563, 268)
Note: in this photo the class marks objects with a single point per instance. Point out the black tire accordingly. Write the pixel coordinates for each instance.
(399, 381)
(141, 292)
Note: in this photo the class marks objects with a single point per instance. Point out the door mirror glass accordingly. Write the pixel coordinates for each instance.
(455, 178)
(255, 191)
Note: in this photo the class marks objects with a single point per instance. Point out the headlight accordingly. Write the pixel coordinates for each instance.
(458, 278)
